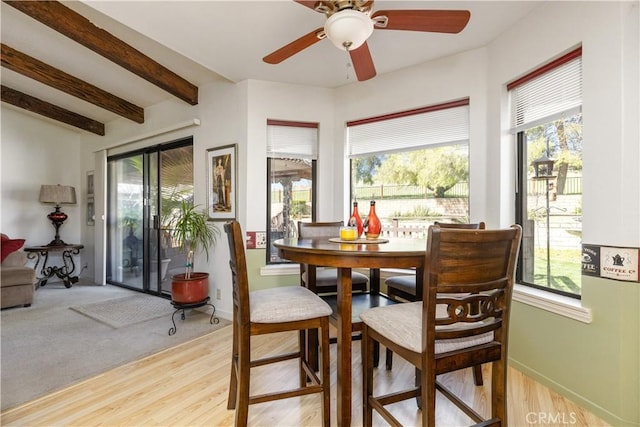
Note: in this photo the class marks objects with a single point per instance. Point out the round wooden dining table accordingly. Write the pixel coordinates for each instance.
(385, 253)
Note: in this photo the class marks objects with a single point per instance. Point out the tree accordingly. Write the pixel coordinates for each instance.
(560, 140)
(365, 168)
(437, 169)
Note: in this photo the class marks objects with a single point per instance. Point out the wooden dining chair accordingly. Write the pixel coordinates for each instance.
(440, 334)
(403, 288)
(325, 280)
(288, 308)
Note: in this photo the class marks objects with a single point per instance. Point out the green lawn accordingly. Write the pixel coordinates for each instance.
(566, 269)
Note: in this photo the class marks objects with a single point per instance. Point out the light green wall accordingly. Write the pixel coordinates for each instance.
(255, 261)
(596, 365)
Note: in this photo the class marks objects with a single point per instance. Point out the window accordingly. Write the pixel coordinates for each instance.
(546, 117)
(291, 168)
(415, 165)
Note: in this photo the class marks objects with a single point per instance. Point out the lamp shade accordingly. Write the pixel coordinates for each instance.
(58, 194)
(348, 29)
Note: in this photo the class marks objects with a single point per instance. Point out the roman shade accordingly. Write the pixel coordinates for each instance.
(443, 124)
(292, 140)
(548, 93)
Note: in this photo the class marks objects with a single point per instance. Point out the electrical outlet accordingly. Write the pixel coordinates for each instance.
(261, 240)
(218, 294)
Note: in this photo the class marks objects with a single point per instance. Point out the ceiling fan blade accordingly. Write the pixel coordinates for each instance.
(294, 47)
(434, 21)
(363, 63)
(312, 4)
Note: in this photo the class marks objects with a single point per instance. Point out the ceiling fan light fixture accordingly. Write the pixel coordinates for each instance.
(348, 29)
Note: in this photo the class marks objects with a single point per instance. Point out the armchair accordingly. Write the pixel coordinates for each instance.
(17, 281)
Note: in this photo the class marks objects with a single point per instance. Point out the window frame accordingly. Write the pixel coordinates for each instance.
(519, 130)
(314, 185)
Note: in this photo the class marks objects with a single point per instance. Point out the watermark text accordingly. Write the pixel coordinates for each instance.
(551, 418)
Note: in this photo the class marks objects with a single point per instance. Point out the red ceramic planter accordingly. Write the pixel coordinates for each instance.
(189, 291)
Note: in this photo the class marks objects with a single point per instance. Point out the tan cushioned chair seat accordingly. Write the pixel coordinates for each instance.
(329, 277)
(402, 324)
(266, 305)
(403, 283)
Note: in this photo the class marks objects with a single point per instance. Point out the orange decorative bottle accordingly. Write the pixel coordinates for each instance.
(373, 224)
(355, 220)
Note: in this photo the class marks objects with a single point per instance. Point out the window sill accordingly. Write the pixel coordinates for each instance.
(280, 270)
(558, 304)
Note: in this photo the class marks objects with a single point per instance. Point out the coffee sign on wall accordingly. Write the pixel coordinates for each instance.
(591, 260)
(611, 262)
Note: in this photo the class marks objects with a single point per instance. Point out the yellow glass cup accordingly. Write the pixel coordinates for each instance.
(348, 233)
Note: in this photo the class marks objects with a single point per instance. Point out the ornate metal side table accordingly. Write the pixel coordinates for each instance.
(184, 306)
(65, 271)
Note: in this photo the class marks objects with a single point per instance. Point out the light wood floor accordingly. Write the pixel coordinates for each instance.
(187, 386)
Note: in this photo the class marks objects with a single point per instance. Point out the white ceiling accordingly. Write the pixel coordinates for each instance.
(205, 40)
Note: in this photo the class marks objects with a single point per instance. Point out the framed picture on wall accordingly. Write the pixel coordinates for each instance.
(221, 183)
(90, 184)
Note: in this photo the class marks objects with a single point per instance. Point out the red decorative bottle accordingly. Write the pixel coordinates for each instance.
(355, 220)
(374, 226)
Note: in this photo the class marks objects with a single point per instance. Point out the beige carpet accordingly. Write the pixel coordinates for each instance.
(52, 345)
(126, 311)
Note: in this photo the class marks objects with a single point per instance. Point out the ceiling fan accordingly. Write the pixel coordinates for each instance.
(350, 23)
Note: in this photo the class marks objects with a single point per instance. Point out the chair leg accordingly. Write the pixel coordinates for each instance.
(499, 391)
(367, 377)
(477, 375)
(428, 397)
(233, 381)
(389, 360)
(418, 382)
(326, 378)
(312, 348)
(302, 357)
(376, 354)
(244, 372)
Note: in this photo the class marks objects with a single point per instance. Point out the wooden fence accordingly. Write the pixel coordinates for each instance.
(573, 185)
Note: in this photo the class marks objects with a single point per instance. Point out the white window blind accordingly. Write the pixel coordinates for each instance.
(411, 130)
(292, 140)
(550, 93)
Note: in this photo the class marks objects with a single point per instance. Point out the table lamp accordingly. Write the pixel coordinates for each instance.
(59, 195)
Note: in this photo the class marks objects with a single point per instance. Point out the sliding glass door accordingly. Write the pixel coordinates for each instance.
(144, 189)
(124, 219)
(171, 183)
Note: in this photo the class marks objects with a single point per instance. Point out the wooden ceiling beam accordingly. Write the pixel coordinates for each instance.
(78, 28)
(51, 111)
(46, 74)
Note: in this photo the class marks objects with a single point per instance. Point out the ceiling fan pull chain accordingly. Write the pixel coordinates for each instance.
(348, 61)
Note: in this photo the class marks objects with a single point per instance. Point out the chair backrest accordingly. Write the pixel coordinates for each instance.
(311, 230)
(238, 264)
(479, 266)
(473, 226)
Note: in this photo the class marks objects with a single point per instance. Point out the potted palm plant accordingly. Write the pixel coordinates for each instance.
(192, 232)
